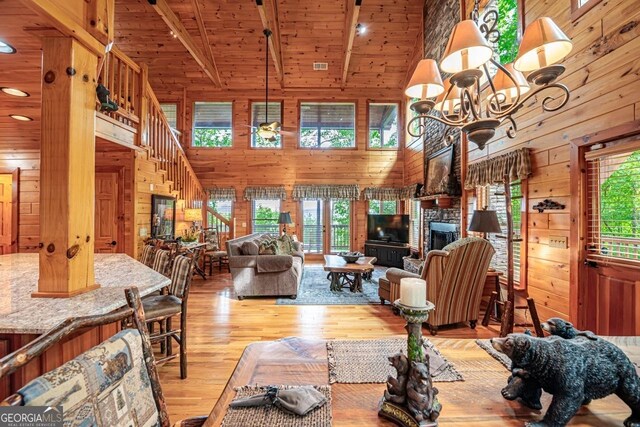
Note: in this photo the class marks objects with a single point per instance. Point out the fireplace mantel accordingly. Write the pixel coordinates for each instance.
(442, 201)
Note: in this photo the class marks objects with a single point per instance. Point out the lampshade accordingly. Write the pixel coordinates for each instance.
(485, 221)
(425, 81)
(543, 44)
(452, 104)
(285, 218)
(194, 215)
(506, 86)
(467, 48)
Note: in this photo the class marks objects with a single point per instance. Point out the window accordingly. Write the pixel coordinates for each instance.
(383, 207)
(383, 125)
(264, 216)
(493, 197)
(327, 125)
(171, 113)
(613, 205)
(580, 7)
(505, 50)
(340, 225)
(414, 224)
(212, 124)
(258, 116)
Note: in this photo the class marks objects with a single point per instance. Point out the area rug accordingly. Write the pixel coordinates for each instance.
(269, 416)
(314, 290)
(629, 345)
(366, 361)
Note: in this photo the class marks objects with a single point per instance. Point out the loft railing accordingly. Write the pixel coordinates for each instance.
(139, 111)
(220, 223)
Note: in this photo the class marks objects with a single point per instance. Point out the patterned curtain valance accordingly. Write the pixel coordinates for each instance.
(266, 193)
(222, 193)
(301, 192)
(379, 193)
(516, 165)
(409, 192)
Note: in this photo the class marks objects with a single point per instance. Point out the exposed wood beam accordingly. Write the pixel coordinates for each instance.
(181, 33)
(275, 45)
(205, 38)
(353, 11)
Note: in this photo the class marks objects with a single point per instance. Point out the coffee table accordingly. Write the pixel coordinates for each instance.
(341, 272)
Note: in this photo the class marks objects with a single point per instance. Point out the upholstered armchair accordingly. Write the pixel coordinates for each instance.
(455, 278)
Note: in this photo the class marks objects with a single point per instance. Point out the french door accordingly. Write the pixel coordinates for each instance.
(326, 226)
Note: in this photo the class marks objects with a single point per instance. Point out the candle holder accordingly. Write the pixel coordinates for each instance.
(410, 399)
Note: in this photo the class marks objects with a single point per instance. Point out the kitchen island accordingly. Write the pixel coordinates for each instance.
(23, 318)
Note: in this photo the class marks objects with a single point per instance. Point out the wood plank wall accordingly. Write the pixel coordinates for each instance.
(603, 74)
(243, 166)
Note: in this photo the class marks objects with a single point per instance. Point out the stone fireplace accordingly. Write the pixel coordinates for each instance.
(441, 234)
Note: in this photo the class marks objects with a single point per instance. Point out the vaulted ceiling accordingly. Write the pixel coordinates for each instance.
(309, 31)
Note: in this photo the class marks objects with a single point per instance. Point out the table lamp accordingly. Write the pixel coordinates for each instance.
(193, 215)
(485, 221)
(284, 219)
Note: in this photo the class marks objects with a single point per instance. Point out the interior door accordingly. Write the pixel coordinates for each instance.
(106, 215)
(6, 197)
(313, 226)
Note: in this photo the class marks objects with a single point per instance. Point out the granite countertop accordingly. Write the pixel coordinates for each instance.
(22, 314)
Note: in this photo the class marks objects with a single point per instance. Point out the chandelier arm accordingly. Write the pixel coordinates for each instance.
(516, 104)
(422, 126)
(545, 101)
(472, 109)
(513, 127)
(464, 114)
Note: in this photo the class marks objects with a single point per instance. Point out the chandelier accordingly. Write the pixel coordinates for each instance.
(474, 100)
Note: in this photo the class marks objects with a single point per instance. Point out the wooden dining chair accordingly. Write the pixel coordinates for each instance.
(162, 308)
(162, 261)
(148, 253)
(214, 254)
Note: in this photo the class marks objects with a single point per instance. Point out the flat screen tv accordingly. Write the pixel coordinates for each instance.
(388, 228)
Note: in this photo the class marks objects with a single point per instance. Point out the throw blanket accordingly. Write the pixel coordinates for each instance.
(273, 263)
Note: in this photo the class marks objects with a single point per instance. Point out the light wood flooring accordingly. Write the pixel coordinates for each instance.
(220, 327)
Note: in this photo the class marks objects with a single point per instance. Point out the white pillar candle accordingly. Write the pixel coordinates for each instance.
(413, 292)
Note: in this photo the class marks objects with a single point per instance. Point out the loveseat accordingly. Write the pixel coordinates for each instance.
(263, 275)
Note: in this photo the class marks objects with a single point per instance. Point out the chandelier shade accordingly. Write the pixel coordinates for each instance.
(425, 81)
(506, 89)
(467, 48)
(450, 105)
(543, 44)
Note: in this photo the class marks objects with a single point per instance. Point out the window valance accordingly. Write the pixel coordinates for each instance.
(265, 193)
(409, 192)
(515, 164)
(228, 193)
(351, 192)
(381, 193)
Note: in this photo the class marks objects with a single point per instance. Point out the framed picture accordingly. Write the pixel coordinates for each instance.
(163, 216)
(439, 170)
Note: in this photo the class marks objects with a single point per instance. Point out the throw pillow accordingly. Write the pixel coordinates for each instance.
(268, 247)
(285, 244)
(250, 248)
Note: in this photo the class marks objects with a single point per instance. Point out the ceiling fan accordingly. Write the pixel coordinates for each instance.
(265, 130)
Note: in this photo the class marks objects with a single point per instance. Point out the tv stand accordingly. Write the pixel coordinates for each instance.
(389, 254)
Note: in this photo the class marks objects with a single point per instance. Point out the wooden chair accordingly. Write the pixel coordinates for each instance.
(162, 308)
(213, 251)
(162, 261)
(455, 279)
(148, 253)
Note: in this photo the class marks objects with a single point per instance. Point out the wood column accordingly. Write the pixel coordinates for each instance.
(67, 164)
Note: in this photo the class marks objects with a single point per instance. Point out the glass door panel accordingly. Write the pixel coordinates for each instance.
(340, 217)
(313, 226)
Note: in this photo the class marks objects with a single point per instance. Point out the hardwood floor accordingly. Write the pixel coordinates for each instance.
(220, 327)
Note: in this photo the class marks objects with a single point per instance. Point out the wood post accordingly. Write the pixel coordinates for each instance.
(67, 164)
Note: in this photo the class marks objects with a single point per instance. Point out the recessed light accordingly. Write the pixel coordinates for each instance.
(361, 29)
(14, 92)
(6, 48)
(20, 118)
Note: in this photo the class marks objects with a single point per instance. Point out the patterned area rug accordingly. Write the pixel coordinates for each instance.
(314, 290)
(366, 361)
(268, 416)
(629, 345)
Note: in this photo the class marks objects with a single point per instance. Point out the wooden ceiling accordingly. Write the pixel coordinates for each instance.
(309, 31)
(20, 70)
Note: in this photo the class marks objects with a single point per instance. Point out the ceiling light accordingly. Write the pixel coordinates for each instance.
(6, 48)
(478, 109)
(20, 118)
(361, 29)
(13, 92)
